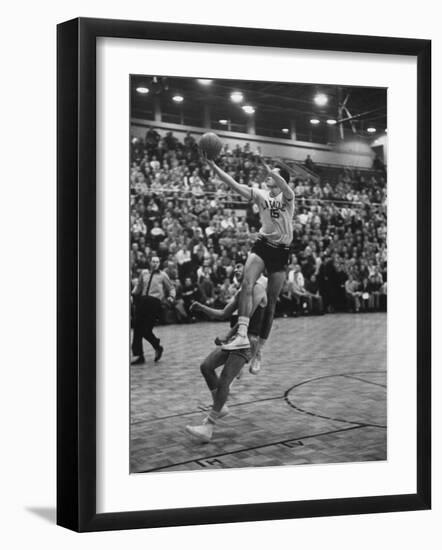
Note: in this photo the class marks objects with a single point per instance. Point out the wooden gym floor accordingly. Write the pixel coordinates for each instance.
(321, 397)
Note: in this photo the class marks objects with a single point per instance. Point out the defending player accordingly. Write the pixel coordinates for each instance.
(233, 360)
(270, 252)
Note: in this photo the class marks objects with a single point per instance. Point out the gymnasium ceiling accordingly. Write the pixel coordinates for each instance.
(275, 105)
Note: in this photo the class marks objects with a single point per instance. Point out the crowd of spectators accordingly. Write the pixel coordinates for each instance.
(200, 230)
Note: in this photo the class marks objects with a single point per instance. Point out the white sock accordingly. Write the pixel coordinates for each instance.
(243, 325)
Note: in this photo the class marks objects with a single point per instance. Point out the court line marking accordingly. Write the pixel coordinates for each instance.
(333, 375)
(356, 425)
(324, 417)
(243, 403)
(254, 448)
(366, 381)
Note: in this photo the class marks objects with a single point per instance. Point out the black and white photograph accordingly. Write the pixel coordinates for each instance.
(228, 216)
(258, 269)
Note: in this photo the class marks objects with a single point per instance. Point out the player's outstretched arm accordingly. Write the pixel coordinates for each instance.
(217, 314)
(241, 189)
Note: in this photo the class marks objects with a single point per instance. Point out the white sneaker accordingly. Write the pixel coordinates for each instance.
(255, 364)
(239, 342)
(203, 432)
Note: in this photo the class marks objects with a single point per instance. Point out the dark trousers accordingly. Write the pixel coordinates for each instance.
(147, 311)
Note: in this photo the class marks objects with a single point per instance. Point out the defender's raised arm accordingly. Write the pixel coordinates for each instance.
(217, 314)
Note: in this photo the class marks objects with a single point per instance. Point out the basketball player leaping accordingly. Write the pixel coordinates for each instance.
(233, 360)
(270, 252)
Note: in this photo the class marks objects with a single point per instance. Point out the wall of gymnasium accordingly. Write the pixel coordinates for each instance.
(352, 153)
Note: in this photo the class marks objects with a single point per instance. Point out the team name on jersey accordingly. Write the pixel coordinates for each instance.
(274, 206)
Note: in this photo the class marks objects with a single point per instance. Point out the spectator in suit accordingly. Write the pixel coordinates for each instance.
(152, 289)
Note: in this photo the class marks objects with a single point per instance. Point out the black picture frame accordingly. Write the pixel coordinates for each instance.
(76, 274)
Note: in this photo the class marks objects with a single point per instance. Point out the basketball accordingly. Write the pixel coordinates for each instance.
(210, 145)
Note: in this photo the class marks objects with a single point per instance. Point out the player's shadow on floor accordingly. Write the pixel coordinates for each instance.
(49, 514)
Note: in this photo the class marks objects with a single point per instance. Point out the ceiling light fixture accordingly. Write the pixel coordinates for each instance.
(236, 97)
(321, 100)
(248, 109)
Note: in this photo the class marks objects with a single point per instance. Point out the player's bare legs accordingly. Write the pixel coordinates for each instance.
(252, 271)
(214, 360)
(230, 371)
(234, 363)
(274, 286)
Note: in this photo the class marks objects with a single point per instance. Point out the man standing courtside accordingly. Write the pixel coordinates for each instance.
(152, 289)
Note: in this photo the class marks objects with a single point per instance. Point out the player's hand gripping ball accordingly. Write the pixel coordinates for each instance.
(210, 145)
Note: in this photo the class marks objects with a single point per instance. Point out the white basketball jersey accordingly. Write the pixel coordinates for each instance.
(276, 215)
